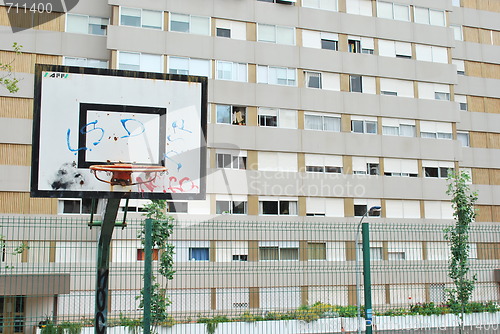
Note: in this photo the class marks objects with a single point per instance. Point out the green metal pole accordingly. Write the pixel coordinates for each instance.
(365, 230)
(148, 259)
(101, 296)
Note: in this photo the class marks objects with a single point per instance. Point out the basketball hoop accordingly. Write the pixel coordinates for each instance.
(121, 174)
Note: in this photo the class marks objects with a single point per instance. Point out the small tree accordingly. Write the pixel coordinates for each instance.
(7, 79)
(162, 230)
(458, 237)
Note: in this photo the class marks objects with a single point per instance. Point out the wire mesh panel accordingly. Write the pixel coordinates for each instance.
(243, 277)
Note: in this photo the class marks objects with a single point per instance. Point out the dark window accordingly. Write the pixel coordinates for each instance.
(356, 85)
(223, 32)
(268, 120)
(329, 44)
(354, 46)
(460, 72)
(431, 171)
(443, 171)
(313, 80)
(239, 208)
(224, 160)
(357, 126)
(403, 56)
(179, 26)
(239, 116)
(199, 254)
(86, 205)
(239, 162)
(385, 92)
(333, 169)
(71, 206)
(372, 169)
(178, 207)
(270, 207)
(222, 207)
(367, 51)
(240, 257)
(285, 207)
(315, 169)
(359, 210)
(463, 106)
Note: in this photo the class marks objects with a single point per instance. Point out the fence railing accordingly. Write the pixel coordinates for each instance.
(240, 270)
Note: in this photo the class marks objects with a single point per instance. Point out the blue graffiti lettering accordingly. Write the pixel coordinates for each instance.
(167, 156)
(83, 131)
(181, 127)
(124, 124)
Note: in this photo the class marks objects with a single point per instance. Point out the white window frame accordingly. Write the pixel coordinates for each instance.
(308, 75)
(279, 124)
(429, 17)
(397, 123)
(232, 115)
(276, 39)
(365, 121)
(336, 117)
(463, 138)
(141, 56)
(264, 71)
(68, 15)
(393, 11)
(190, 27)
(322, 4)
(60, 206)
(84, 62)
(231, 200)
(279, 245)
(457, 32)
(189, 71)
(323, 162)
(141, 19)
(235, 161)
(235, 70)
(278, 200)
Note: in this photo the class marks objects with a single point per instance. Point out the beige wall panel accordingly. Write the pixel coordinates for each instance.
(19, 62)
(252, 73)
(475, 103)
(473, 68)
(344, 82)
(11, 202)
(495, 177)
(348, 207)
(342, 6)
(496, 36)
(46, 59)
(12, 154)
(252, 160)
(347, 162)
(13, 107)
(253, 205)
(302, 206)
(482, 4)
(20, 20)
(469, 4)
(495, 213)
(484, 36)
(253, 251)
(494, 6)
(342, 43)
(115, 15)
(487, 251)
(254, 298)
(351, 295)
(480, 176)
(493, 140)
(50, 21)
(471, 34)
(251, 31)
(484, 213)
(345, 123)
(492, 105)
(478, 139)
(301, 159)
(45, 206)
(350, 250)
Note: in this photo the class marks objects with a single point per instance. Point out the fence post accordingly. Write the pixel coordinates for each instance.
(367, 277)
(148, 258)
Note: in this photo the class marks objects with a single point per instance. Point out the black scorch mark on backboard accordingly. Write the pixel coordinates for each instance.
(67, 177)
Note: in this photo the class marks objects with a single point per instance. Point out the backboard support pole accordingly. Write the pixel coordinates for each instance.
(101, 296)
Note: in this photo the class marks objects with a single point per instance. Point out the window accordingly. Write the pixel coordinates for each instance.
(430, 53)
(227, 70)
(282, 118)
(199, 254)
(389, 10)
(84, 24)
(364, 124)
(434, 91)
(355, 83)
(317, 163)
(463, 138)
(277, 161)
(280, 207)
(438, 130)
(361, 206)
(320, 40)
(362, 84)
(231, 115)
(394, 49)
(398, 127)
(240, 258)
(74, 206)
(400, 167)
(231, 160)
(395, 87)
(141, 254)
(278, 251)
(199, 25)
(276, 75)
(231, 207)
(438, 210)
(357, 44)
(85, 62)
(402, 209)
(365, 166)
(359, 7)
(376, 253)
(457, 32)
(133, 205)
(275, 34)
(313, 79)
(354, 46)
(460, 64)
(191, 66)
(231, 29)
(177, 207)
(136, 17)
(394, 256)
(316, 251)
(437, 169)
(329, 44)
(322, 122)
(321, 4)
(324, 207)
(429, 16)
(140, 62)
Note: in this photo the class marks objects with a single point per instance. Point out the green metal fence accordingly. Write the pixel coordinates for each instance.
(241, 271)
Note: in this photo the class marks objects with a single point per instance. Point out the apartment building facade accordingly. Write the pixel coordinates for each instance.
(318, 110)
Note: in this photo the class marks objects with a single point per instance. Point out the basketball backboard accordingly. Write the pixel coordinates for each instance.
(87, 116)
